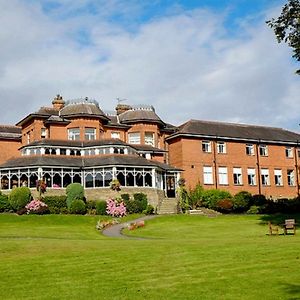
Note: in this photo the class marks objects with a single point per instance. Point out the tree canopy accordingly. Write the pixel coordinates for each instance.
(287, 27)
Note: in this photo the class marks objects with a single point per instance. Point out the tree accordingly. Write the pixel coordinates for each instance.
(287, 27)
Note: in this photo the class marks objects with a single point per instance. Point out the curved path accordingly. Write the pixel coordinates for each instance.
(116, 230)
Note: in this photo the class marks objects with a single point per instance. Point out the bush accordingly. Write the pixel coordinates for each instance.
(77, 207)
(19, 197)
(91, 204)
(75, 191)
(4, 203)
(242, 201)
(211, 197)
(132, 206)
(125, 197)
(141, 200)
(55, 203)
(37, 207)
(253, 210)
(225, 205)
(101, 207)
(195, 196)
(258, 200)
(149, 210)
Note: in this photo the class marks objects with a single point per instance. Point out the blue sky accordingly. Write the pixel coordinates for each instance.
(211, 60)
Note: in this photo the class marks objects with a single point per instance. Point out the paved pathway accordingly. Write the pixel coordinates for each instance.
(116, 230)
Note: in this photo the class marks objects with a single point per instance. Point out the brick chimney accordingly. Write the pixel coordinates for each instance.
(122, 108)
(58, 102)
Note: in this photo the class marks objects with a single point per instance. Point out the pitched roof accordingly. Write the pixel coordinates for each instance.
(79, 162)
(8, 132)
(235, 131)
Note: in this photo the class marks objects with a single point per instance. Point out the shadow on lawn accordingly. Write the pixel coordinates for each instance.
(293, 291)
(278, 219)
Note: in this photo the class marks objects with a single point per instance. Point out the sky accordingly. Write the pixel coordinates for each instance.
(200, 59)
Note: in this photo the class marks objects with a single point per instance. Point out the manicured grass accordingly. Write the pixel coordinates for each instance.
(184, 257)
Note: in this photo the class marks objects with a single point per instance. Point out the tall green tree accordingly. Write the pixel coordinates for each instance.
(287, 27)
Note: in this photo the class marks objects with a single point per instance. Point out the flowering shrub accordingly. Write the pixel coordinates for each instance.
(115, 208)
(103, 224)
(37, 207)
(136, 225)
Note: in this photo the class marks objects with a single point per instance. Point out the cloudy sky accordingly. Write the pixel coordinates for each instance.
(193, 59)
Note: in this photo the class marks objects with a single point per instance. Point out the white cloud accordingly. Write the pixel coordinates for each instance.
(184, 64)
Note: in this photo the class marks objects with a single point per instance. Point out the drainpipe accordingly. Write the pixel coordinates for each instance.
(296, 167)
(215, 162)
(258, 167)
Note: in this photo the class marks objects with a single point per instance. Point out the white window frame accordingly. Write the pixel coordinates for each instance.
(265, 177)
(251, 174)
(74, 134)
(291, 177)
(289, 152)
(89, 133)
(134, 138)
(263, 150)
(223, 175)
(221, 147)
(115, 135)
(278, 177)
(208, 175)
(237, 176)
(206, 146)
(149, 138)
(250, 149)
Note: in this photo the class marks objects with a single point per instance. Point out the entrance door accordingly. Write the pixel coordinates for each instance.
(171, 187)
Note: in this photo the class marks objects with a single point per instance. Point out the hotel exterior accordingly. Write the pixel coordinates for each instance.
(75, 141)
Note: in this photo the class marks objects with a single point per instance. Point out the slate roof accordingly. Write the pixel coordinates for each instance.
(8, 132)
(235, 131)
(140, 115)
(85, 108)
(147, 148)
(68, 143)
(43, 113)
(80, 162)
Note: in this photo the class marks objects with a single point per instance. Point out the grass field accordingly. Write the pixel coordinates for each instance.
(184, 257)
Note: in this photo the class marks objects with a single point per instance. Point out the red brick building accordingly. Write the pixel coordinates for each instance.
(75, 141)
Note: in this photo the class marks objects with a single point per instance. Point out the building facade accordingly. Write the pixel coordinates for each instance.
(75, 141)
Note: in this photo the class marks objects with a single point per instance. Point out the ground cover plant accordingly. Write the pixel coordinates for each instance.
(183, 257)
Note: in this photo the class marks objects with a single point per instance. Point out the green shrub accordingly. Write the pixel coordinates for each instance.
(253, 210)
(77, 207)
(91, 204)
(196, 196)
(225, 205)
(149, 210)
(101, 207)
(75, 191)
(4, 203)
(211, 197)
(55, 203)
(19, 197)
(125, 197)
(242, 201)
(132, 206)
(141, 200)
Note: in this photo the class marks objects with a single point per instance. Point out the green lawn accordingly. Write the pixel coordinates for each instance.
(184, 257)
